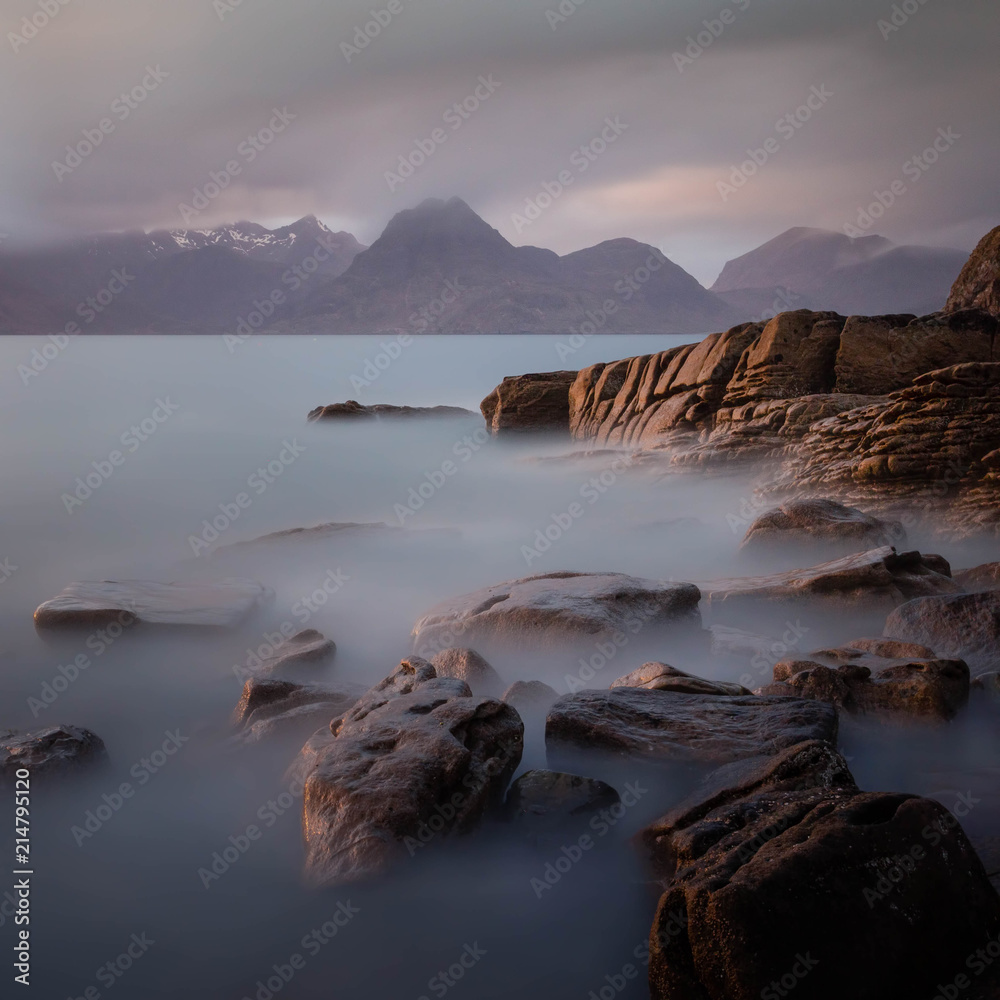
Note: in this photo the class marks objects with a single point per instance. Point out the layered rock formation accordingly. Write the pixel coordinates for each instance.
(538, 402)
(978, 286)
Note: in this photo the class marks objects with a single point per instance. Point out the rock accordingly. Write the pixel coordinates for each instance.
(269, 706)
(54, 752)
(978, 286)
(664, 726)
(879, 579)
(557, 608)
(545, 801)
(93, 604)
(416, 757)
(538, 402)
(883, 679)
(780, 868)
(467, 665)
(979, 578)
(299, 656)
(530, 696)
(986, 684)
(353, 410)
(965, 626)
(807, 525)
(663, 677)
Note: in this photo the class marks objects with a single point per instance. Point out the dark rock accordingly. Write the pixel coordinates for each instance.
(882, 679)
(979, 578)
(538, 402)
(417, 757)
(353, 410)
(93, 604)
(545, 801)
(55, 752)
(808, 525)
(965, 626)
(663, 677)
(555, 609)
(663, 726)
(530, 696)
(467, 665)
(789, 842)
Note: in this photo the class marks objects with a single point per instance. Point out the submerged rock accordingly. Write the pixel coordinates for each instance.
(467, 665)
(538, 402)
(269, 706)
(663, 677)
(959, 625)
(900, 680)
(353, 410)
(54, 752)
(664, 726)
(780, 873)
(93, 603)
(299, 656)
(869, 581)
(808, 525)
(545, 801)
(557, 608)
(417, 757)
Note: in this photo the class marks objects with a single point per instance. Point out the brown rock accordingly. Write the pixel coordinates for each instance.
(556, 609)
(538, 402)
(789, 842)
(54, 752)
(467, 665)
(662, 726)
(663, 677)
(978, 286)
(300, 655)
(985, 577)
(417, 757)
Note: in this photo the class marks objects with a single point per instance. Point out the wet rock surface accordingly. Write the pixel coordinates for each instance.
(53, 752)
(557, 608)
(542, 801)
(789, 842)
(897, 680)
(100, 603)
(662, 726)
(663, 677)
(416, 758)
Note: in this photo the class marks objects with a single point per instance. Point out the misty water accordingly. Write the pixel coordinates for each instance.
(231, 413)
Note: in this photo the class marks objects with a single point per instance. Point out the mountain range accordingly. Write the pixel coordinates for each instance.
(440, 268)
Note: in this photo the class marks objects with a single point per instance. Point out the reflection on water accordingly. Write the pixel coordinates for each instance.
(172, 870)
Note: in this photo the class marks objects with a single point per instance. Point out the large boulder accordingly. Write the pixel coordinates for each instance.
(779, 874)
(537, 402)
(663, 677)
(961, 625)
(555, 609)
(978, 286)
(93, 604)
(663, 726)
(804, 527)
(877, 580)
(418, 757)
(54, 752)
(892, 679)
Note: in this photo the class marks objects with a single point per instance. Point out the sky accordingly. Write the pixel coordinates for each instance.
(594, 119)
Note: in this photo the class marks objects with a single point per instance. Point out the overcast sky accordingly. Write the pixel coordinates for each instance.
(221, 73)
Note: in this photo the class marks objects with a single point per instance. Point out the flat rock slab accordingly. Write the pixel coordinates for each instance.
(782, 872)
(58, 751)
(664, 726)
(877, 579)
(95, 603)
(353, 410)
(964, 625)
(555, 609)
